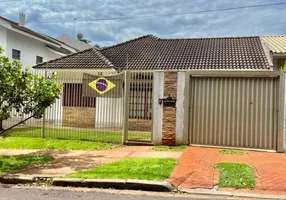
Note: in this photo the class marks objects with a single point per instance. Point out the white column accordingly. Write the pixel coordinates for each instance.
(180, 108)
(157, 115)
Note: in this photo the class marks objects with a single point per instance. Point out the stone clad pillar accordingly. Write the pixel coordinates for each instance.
(169, 112)
(169, 121)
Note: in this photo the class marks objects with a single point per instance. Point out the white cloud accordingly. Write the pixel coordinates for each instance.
(263, 21)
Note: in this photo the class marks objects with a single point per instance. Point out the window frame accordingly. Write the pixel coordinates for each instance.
(40, 57)
(18, 56)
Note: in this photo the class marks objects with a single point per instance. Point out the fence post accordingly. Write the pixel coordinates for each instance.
(126, 106)
(44, 115)
(157, 110)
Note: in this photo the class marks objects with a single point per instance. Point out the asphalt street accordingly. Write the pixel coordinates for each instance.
(85, 194)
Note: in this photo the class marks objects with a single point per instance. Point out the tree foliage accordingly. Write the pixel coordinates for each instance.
(283, 67)
(26, 93)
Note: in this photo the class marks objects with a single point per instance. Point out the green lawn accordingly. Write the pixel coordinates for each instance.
(10, 163)
(231, 152)
(132, 168)
(169, 148)
(78, 134)
(48, 143)
(235, 175)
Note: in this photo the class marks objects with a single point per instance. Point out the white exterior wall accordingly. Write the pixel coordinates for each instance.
(30, 48)
(3, 38)
(180, 109)
(109, 112)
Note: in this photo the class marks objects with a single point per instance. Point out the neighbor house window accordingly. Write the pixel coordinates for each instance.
(39, 59)
(16, 54)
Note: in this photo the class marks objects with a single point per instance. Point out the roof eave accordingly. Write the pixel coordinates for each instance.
(267, 52)
(280, 54)
(32, 36)
(76, 69)
(56, 52)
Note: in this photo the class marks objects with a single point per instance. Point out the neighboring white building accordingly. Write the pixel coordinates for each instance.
(77, 44)
(28, 46)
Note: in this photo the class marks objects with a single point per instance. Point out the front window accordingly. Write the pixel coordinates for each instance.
(39, 59)
(16, 54)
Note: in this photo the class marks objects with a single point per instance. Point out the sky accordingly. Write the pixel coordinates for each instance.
(55, 17)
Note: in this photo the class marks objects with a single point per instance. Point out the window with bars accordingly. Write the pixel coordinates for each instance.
(16, 54)
(72, 96)
(39, 59)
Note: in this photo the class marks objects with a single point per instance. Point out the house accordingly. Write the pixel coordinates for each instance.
(277, 45)
(221, 91)
(28, 46)
(77, 44)
(150, 53)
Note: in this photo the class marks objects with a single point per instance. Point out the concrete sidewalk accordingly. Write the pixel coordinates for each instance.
(67, 162)
(195, 170)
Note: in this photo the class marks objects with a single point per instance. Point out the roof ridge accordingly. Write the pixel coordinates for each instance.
(273, 36)
(131, 40)
(104, 58)
(209, 38)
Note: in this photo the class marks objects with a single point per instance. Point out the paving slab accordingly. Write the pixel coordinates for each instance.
(14, 152)
(195, 170)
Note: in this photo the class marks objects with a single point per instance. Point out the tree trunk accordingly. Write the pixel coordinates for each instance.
(1, 125)
(21, 122)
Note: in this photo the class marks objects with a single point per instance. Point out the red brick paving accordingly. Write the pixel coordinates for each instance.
(195, 170)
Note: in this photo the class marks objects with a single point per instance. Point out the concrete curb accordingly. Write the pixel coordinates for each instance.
(130, 184)
(10, 179)
(231, 194)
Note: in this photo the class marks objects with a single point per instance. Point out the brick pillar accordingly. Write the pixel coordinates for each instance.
(169, 112)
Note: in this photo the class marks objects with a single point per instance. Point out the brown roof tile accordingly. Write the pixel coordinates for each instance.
(152, 53)
(90, 58)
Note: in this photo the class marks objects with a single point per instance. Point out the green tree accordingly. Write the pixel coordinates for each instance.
(26, 93)
(283, 67)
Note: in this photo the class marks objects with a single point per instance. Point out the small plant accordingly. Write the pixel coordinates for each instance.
(236, 175)
(231, 152)
(169, 148)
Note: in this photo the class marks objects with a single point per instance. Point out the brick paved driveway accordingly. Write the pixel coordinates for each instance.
(195, 170)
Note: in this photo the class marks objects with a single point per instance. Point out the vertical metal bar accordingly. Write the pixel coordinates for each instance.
(126, 106)
(151, 103)
(44, 115)
(280, 111)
